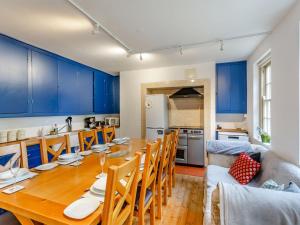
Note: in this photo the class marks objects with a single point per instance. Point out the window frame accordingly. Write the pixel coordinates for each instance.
(263, 66)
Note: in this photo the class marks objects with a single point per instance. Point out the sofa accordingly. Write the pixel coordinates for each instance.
(272, 167)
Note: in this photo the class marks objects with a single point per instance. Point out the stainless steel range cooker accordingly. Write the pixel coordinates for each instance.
(190, 148)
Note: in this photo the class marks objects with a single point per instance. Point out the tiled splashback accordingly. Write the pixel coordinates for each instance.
(186, 112)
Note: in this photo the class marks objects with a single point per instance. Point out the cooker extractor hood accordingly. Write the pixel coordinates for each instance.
(186, 93)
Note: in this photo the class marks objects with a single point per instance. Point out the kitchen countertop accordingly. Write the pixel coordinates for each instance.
(186, 127)
(36, 140)
(237, 130)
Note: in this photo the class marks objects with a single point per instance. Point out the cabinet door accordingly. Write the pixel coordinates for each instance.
(85, 90)
(117, 95)
(238, 87)
(110, 94)
(100, 98)
(44, 83)
(13, 77)
(67, 87)
(223, 88)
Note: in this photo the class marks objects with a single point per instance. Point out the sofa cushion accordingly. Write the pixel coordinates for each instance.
(244, 168)
(277, 169)
(216, 174)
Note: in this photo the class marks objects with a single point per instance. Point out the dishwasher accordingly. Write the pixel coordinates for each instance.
(195, 139)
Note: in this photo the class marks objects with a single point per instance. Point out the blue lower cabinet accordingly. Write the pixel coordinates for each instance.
(14, 90)
(34, 156)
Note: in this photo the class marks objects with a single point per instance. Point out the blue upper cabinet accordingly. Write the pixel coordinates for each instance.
(13, 77)
(75, 87)
(85, 89)
(116, 94)
(44, 83)
(231, 87)
(100, 102)
(67, 87)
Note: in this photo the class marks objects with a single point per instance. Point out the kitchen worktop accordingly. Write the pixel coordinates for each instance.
(237, 130)
(186, 127)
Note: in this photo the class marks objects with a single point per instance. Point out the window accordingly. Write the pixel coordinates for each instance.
(265, 95)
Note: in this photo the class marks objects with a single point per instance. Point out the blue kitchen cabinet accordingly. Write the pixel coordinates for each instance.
(75, 88)
(14, 89)
(67, 87)
(116, 95)
(100, 100)
(231, 87)
(110, 94)
(85, 80)
(44, 83)
(34, 156)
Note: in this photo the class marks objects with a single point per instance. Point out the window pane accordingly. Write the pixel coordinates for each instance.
(268, 91)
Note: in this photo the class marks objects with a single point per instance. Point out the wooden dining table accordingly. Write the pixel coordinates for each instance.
(46, 195)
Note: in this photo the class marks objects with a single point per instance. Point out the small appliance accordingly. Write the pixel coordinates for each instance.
(112, 121)
(90, 122)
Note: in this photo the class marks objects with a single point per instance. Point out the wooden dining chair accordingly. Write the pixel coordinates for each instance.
(171, 168)
(87, 139)
(52, 148)
(109, 133)
(162, 190)
(119, 201)
(10, 153)
(145, 198)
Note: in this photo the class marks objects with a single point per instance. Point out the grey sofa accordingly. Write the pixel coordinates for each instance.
(273, 168)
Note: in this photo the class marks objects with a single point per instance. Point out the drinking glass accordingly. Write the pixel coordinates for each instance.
(14, 167)
(102, 157)
(77, 150)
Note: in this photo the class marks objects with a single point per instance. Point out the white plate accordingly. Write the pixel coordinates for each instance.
(97, 193)
(68, 156)
(100, 184)
(82, 208)
(48, 166)
(85, 153)
(110, 144)
(99, 146)
(7, 175)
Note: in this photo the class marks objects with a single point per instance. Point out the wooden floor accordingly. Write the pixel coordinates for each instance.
(188, 170)
(184, 207)
(186, 204)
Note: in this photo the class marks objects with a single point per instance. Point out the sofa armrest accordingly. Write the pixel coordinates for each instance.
(221, 160)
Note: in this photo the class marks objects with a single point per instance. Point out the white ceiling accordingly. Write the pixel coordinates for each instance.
(143, 25)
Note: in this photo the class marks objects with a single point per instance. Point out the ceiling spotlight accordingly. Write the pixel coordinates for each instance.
(221, 45)
(181, 50)
(97, 29)
(141, 57)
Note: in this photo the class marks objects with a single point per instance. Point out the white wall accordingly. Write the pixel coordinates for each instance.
(284, 45)
(130, 92)
(33, 125)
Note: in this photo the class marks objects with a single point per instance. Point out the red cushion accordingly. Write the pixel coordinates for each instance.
(244, 168)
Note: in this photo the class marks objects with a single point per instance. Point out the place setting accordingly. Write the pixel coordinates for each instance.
(121, 141)
(14, 175)
(73, 159)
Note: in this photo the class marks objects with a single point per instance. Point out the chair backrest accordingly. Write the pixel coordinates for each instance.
(109, 133)
(118, 208)
(175, 140)
(165, 156)
(11, 152)
(87, 139)
(55, 147)
(150, 170)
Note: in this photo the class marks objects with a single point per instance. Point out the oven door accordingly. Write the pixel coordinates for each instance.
(181, 154)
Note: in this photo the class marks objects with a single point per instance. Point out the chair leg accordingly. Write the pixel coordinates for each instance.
(170, 181)
(141, 215)
(159, 201)
(165, 192)
(152, 212)
(173, 178)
